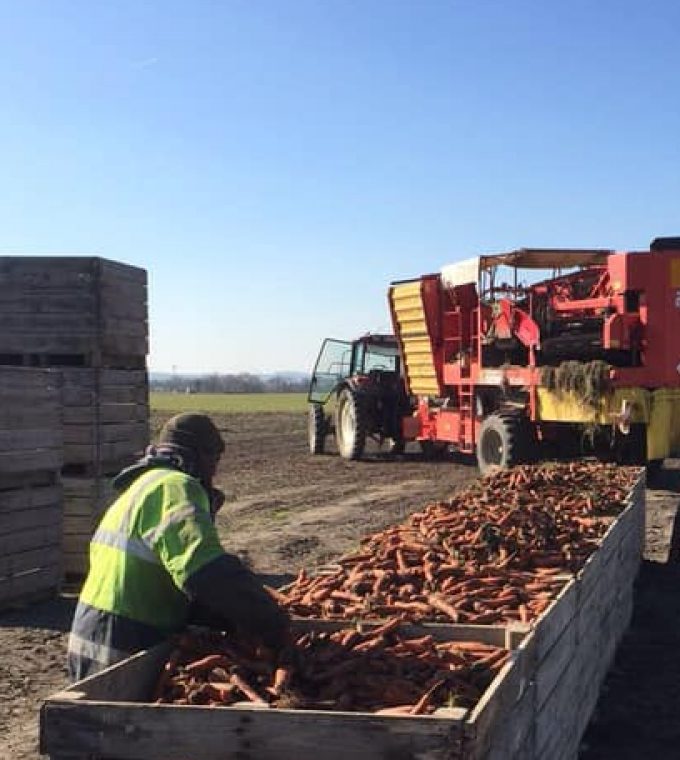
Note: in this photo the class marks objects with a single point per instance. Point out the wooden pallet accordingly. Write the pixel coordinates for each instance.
(72, 309)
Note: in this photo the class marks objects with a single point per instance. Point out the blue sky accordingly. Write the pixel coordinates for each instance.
(275, 164)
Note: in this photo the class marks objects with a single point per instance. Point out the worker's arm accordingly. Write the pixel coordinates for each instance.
(229, 590)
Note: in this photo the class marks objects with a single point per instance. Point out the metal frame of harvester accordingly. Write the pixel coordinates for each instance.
(591, 351)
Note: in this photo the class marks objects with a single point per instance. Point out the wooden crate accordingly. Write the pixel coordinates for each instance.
(106, 427)
(85, 500)
(72, 311)
(105, 716)
(106, 419)
(538, 707)
(30, 490)
(574, 642)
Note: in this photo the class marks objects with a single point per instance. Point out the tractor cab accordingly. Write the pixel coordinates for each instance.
(342, 360)
(357, 392)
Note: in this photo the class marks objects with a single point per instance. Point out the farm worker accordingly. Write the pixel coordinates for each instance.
(156, 551)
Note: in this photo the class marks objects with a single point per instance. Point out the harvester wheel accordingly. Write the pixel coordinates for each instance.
(316, 429)
(350, 426)
(502, 443)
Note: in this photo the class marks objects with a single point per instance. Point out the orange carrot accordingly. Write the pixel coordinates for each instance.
(424, 703)
(208, 663)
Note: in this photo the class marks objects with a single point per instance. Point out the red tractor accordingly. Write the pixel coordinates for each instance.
(504, 353)
(357, 392)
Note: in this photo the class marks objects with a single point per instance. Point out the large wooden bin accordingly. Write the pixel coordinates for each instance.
(101, 717)
(72, 311)
(536, 709)
(30, 488)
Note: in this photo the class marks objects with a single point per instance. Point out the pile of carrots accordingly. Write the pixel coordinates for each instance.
(384, 670)
(499, 551)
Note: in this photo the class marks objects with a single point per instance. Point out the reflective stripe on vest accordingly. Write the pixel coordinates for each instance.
(95, 651)
(120, 539)
(188, 510)
(125, 544)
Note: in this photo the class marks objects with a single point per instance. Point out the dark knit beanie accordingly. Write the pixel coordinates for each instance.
(192, 431)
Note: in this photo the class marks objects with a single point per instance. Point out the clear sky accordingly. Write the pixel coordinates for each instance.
(274, 164)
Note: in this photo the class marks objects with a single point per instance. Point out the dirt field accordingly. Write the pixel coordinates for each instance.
(287, 509)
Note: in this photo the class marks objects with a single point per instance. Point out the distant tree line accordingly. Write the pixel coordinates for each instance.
(239, 383)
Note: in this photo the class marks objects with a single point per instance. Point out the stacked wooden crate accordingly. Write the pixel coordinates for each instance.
(30, 492)
(86, 316)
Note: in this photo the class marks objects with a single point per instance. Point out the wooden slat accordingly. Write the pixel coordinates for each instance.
(26, 378)
(21, 461)
(556, 716)
(29, 497)
(514, 734)
(74, 396)
(159, 732)
(105, 414)
(133, 432)
(498, 704)
(19, 562)
(19, 480)
(550, 625)
(26, 519)
(34, 537)
(82, 324)
(114, 272)
(75, 563)
(79, 525)
(33, 414)
(27, 439)
(13, 590)
(55, 301)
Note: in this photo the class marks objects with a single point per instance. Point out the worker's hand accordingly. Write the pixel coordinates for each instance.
(278, 639)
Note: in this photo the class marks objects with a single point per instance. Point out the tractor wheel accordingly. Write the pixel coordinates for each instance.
(350, 425)
(503, 442)
(434, 449)
(316, 429)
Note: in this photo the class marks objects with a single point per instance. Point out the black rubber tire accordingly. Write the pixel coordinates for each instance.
(434, 449)
(316, 429)
(350, 424)
(503, 442)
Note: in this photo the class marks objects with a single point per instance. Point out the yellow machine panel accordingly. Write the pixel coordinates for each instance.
(411, 329)
(658, 409)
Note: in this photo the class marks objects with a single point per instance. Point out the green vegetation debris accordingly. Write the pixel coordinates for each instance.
(587, 381)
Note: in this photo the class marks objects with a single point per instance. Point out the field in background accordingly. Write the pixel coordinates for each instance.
(228, 403)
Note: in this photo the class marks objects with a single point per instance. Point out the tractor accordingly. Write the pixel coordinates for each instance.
(357, 393)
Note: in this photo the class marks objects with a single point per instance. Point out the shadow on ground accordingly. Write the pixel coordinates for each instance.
(638, 715)
(53, 615)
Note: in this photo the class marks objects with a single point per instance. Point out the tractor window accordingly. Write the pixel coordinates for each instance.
(332, 366)
(380, 357)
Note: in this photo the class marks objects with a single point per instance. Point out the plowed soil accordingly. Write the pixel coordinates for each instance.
(287, 509)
